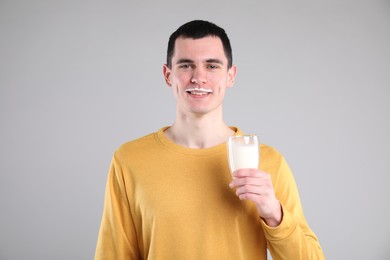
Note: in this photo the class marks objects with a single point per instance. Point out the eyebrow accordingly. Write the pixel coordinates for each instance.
(181, 61)
(215, 61)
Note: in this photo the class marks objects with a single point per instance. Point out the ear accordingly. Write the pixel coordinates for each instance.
(167, 75)
(231, 76)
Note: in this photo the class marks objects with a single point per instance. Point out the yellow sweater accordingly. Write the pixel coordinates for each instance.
(165, 201)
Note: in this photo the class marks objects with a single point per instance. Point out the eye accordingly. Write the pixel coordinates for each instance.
(212, 66)
(185, 66)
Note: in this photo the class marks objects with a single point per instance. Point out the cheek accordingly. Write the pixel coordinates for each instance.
(221, 82)
(183, 76)
(218, 78)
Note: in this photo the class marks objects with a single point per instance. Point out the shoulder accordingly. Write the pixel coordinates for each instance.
(269, 153)
(272, 161)
(137, 143)
(136, 146)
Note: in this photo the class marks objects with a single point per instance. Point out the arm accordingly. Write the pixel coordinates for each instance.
(279, 206)
(293, 238)
(117, 237)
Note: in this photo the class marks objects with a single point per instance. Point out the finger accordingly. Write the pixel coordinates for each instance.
(250, 189)
(257, 179)
(264, 180)
(248, 173)
(245, 181)
(249, 196)
(245, 173)
(260, 197)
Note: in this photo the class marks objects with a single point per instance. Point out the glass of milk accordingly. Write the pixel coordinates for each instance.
(243, 152)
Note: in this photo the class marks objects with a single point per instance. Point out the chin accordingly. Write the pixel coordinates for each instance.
(201, 111)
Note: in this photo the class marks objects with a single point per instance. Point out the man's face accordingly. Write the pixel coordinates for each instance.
(199, 75)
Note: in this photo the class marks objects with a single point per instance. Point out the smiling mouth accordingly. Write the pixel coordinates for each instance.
(199, 91)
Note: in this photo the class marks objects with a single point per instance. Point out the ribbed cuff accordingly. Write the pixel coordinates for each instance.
(284, 230)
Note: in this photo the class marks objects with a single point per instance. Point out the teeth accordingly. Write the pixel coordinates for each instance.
(198, 91)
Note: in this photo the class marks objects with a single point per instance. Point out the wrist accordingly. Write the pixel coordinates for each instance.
(275, 219)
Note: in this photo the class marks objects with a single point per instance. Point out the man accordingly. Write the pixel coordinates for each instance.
(170, 194)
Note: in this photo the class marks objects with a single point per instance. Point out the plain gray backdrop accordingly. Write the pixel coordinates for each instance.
(80, 77)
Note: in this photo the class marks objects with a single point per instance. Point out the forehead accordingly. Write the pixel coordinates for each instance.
(203, 48)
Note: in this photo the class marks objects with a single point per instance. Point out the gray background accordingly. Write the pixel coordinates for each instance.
(79, 78)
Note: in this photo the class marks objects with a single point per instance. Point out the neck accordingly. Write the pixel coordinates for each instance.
(196, 131)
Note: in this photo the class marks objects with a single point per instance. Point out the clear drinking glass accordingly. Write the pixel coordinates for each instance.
(243, 152)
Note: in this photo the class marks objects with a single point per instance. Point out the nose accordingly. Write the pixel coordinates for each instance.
(199, 76)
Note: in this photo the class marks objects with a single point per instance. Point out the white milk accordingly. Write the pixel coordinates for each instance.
(243, 156)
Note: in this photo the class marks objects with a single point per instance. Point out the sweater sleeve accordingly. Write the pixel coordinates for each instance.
(117, 237)
(292, 239)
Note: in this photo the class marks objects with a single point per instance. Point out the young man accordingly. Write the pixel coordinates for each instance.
(170, 194)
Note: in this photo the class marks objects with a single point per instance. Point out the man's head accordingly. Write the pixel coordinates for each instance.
(198, 29)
